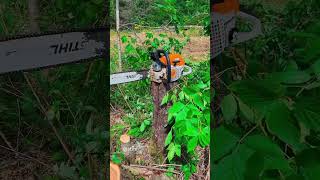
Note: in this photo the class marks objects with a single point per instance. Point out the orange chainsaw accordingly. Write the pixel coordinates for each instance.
(224, 14)
(166, 67)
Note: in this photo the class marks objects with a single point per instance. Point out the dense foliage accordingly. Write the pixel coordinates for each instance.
(73, 97)
(162, 12)
(271, 115)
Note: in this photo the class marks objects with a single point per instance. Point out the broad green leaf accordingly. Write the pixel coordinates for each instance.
(233, 166)
(291, 77)
(181, 96)
(257, 93)
(182, 115)
(279, 124)
(308, 158)
(191, 130)
(168, 139)
(264, 145)
(309, 161)
(204, 138)
(178, 150)
(229, 108)
(307, 111)
(223, 142)
(273, 155)
(165, 99)
(192, 144)
(254, 166)
(315, 68)
(178, 106)
(312, 49)
(124, 39)
(197, 99)
(247, 112)
(130, 49)
(171, 152)
(292, 66)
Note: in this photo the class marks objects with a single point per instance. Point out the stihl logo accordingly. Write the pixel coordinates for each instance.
(131, 76)
(67, 47)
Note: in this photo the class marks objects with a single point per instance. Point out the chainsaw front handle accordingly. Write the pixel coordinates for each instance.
(189, 70)
(240, 37)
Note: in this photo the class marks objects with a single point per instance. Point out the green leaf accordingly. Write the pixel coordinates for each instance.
(233, 166)
(124, 39)
(204, 139)
(223, 142)
(182, 115)
(191, 130)
(178, 106)
(142, 127)
(149, 35)
(168, 139)
(292, 66)
(171, 152)
(147, 122)
(165, 99)
(197, 99)
(315, 68)
(229, 108)
(307, 111)
(291, 77)
(258, 93)
(254, 166)
(130, 49)
(181, 96)
(309, 161)
(274, 157)
(178, 150)
(247, 112)
(192, 144)
(278, 122)
(264, 145)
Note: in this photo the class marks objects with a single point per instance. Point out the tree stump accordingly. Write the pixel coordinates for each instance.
(160, 113)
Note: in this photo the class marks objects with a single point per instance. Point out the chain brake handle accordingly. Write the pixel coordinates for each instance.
(189, 70)
(245, 36)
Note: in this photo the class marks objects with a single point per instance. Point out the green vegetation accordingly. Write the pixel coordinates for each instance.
(70, 99)
(189, 115)
(271, 114)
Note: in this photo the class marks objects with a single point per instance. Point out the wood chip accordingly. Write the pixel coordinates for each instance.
(125, 138)
(114, 172)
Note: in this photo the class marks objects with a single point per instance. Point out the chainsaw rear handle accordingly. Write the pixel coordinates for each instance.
(239, 37)
(155, 56)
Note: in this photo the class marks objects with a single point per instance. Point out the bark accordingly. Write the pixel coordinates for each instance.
(160, 113)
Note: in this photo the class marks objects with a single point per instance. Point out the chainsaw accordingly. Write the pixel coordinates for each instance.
(166, 68)
(50, 49)
(224, 33)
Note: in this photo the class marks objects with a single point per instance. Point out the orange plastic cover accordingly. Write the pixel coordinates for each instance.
(227, 6)
(173, 58)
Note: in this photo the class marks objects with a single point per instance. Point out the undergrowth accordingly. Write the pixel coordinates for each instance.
(56, 110)
(271, 114)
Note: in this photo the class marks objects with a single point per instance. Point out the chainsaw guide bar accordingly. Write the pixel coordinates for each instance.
(125, 77)
(44, 50)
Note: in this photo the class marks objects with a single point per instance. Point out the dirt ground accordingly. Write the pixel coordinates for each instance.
(196, 50)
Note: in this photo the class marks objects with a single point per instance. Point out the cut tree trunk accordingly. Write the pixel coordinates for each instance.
(160, 113)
